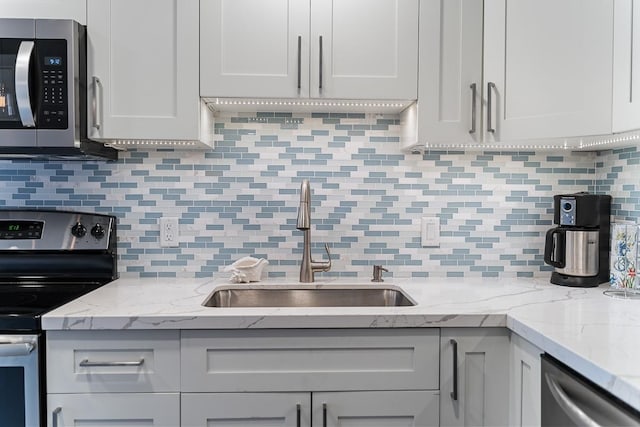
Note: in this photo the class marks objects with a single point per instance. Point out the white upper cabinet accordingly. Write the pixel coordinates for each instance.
(254, 48)
(547, 68)
(626, 65)
(364, 49)
(450, 90)
(346, 49)
(45, 9)
(535, 70)
(143, 69)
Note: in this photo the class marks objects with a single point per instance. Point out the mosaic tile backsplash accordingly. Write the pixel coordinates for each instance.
(241, 198)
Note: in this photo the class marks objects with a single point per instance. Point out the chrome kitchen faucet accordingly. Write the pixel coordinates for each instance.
(308, 266)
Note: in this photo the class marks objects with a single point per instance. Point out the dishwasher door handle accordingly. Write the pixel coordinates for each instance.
(569, 406)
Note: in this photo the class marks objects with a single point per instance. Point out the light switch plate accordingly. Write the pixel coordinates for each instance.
(430, 232)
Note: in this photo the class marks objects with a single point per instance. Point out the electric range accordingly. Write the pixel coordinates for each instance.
(47, 258)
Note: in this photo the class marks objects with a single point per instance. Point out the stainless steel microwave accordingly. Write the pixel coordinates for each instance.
(43, 91)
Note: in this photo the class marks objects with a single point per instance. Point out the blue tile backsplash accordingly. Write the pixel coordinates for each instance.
(241, 198)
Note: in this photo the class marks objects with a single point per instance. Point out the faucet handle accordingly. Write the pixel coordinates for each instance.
(377, 273)
(328, 263)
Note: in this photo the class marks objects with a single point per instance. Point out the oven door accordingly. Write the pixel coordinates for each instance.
(20, 385)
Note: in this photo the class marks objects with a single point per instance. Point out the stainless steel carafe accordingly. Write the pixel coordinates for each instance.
(573, 252)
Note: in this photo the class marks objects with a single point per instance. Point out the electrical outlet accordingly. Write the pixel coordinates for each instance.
(168, 232)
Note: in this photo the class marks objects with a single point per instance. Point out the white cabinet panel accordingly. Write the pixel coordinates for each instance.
(524, 378)
(376, 409)
(143, 62)
(249, 48)
(45, 9)
(114, 410)
(450, 63)
(284, 360)
(246, 409)
(551, 65)
(113, 361)
(474, 382)
(626, 65)
(369, 49)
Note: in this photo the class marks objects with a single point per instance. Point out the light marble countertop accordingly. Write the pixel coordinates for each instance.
(595, 334)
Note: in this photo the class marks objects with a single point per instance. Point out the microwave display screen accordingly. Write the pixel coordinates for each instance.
(55, 61)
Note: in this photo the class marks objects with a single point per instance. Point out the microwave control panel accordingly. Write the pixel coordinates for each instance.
(53, 64)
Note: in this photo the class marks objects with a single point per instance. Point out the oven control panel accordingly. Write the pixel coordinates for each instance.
(21, 229)
(55, 230)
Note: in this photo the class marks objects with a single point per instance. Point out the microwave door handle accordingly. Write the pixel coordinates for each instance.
(23, 98)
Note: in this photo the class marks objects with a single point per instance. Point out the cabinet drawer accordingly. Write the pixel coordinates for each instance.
(122, 409)
(113, 361)
(310, 360)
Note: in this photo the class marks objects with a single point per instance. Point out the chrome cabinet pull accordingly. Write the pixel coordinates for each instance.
(324, 415)
(474, 91)
(454, 345)
(298, 415)
(23, 98)
(490, 87)
(320, 74)
(97, 101)
(54, 416)
(87, 363)
(299, 62)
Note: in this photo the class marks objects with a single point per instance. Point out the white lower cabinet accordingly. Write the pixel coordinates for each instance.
(524, 382)
(114, 409)
(327, 409)
(474, 377)
(319, 377)
(113, 378)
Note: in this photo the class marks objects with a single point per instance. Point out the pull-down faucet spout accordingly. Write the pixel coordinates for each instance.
(308, 266)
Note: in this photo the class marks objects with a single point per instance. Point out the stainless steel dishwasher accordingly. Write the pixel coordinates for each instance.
(569, 399)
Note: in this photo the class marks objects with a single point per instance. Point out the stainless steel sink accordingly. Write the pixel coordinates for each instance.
(304, 296)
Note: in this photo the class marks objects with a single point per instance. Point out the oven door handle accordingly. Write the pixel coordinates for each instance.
(11, 349)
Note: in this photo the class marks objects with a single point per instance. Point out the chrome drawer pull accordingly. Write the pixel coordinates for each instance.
(87, 363)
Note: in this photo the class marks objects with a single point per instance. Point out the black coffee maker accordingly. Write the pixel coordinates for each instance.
(579, 247)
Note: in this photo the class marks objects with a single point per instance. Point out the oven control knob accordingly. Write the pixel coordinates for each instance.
(79, 230)
(98, 231)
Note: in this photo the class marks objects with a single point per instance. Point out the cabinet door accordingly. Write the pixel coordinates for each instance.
(376, 408)
(450, 90)
(549, 65)
(525, 382)
(45, 9)
(246, 409)
(254, 48)
(626, 66)
(119, 409)
(364, 49)
(474, 382)
(143, 69)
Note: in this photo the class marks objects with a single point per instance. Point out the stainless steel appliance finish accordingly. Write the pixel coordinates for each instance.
(43, 91)
(569, 399)
(47, 258)
(325, 296)
(20, 397)
(581, 253)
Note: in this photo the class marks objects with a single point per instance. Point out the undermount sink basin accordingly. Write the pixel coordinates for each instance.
(303, 296)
